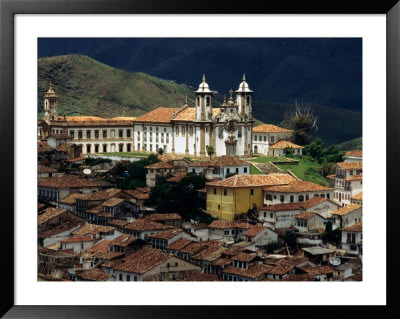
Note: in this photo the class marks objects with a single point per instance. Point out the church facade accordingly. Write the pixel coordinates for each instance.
(186, 130)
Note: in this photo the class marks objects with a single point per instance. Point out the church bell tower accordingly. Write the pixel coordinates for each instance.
(203, 102)
(50, 107)
(244, 98)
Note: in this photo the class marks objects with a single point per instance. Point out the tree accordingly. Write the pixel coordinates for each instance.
(210, 150)
(271, 247)
(290, 239)
(302, 121)
(328, 227)
(315, 149)
(160, 151)
(288, 151)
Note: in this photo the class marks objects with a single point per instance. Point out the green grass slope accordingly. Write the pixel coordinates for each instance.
(88, 87)
(355, 144)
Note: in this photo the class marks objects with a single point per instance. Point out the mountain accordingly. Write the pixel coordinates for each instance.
(355, 144)
(88, 87)
(325, 71)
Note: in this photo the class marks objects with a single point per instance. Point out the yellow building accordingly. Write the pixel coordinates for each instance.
(239, 193)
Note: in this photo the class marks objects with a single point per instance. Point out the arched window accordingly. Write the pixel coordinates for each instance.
(248, 100)
(301, 198)
(208, 101)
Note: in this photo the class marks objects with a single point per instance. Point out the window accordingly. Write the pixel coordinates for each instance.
(120, 277)
(245, 169)
(104, 148)
(79, 134)
(183, 130)
(138, 136)
(121, 148)
(265, 214)
(177, 130)
(237, 170)
(268, 197)
(260, 138)
(282, 198)
(272, 139)
(138, 146)
(104, 133)
(215, 191)
(271, 215)
(239, 132)
(71, 134)
(251, 191)
(208, 101)
(265, 138)
(307, 197)
(128, 278)
(219, 207)
(220, 135)
(226, 232)
(255, 138)
(291, 198)
(128, 147)
(228, 170)
(88, 148)
(225, 192)
(301, 198)
(128, 133)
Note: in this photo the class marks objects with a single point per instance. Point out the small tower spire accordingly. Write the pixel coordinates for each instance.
(230, 95)
(123, 113)
(244, 77)
(204, 78)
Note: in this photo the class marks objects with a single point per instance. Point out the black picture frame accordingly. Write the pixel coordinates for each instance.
(8, 10)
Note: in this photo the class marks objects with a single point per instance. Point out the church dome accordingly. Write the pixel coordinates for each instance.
(203, 87)
(243, 86)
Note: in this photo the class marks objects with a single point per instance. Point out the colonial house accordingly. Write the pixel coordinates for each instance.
(171, 219)
(54, 235)
(295, 191)
(162, 239)
(352, 239)
(309, 221)
(322, 273)
(55, 140)
(182, 130)
(317, 254)
(176, 246)
(256, 272)
(97, 232)
(50, 218)
(143, 228)
(46, 171)
(157, 170)
(77, 243)
(283, 215)
(229, 230)
(68, 152)
(278, 149)
(285, 267)
(347, 215)
(126, 244)
(265, 135)
(239, 193)
(149, 264)
(260, 235)
(347, 181)
(219, 167)
(207, 256)
(357, 199)
(93, 274)
(53, 189)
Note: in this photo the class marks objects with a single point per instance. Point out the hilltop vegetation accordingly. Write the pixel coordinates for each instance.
(89, 87)
(355, 144)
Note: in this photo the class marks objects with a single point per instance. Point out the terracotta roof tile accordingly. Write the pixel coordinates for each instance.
(305, 215)
(354, 153)
(234, 250)
(354, 178)
(118, 222)
(221, 262)
(293, 277)
(92, 229)
(167, 234)
(70, 181)
(317, 270)
(93, 274)
(255, 230)
(77, 239)
(210, 254)
(144, 190)
(179, 244)
(142, 224)
(269, 128)
(193, 248)
(112, 202)
(49, 214)
(244, 257)
(224, 224)
(357, 196)
(295, 206)
(160, 165)
(257, 271)
(346, 209)
(188, 114)
(100, 247)
(254, 180)
(59, 229)
(350, 165)
(62, 136)
(283, 266)
(159, 115)
(283, 144)
(123, 240)
(298, 186)
(143, 260)
(176, 177)
(162, 217)
(356, 227)
(71, 198)
(137, 194)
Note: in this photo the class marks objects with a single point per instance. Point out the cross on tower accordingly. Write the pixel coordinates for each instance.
(230, 94)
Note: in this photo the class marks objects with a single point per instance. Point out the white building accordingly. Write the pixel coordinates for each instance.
(185, 130)
(347, 181)
(353, 156)
(265, 135)
(352, 239)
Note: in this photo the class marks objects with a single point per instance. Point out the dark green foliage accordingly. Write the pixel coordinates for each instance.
(290, 239)
(230, 175)
(136, 172)
(327, 169)
(333, 236)
(160, 151)
(206, 218)
(210, 150)
(328, 227)
(288, 151)
(318, 152)
(271, 247)
(181, 197)
(96, 161)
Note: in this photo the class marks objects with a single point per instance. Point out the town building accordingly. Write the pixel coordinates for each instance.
(239, 193)
(353, 156)
(347, 181)
(183, 130)
(279, 148)
(266, 135)
(352, 239)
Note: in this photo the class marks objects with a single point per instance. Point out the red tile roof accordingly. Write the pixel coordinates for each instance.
(269, 128)
(179, 244)
(161, 217)
(350, 165)
(77, 239)
(198, 276)
(137, 194)
(167, 234)
(305, 215)
(159, 115)
(220, 162)
(346, 209)
(160, 165)
(93, 274)
(257, 271)
(92, 229)
(70, 181)
(255, 230)
(123, 240)
(315, 271)
(283, 144)
(357, 153)
(356, 227)
(46, 169)
(224, 224)
(49, 214)
(298, 186)
(143, 224)
(357, 196)
(253, 180)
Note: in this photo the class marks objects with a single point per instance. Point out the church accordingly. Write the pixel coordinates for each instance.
(186, 130)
